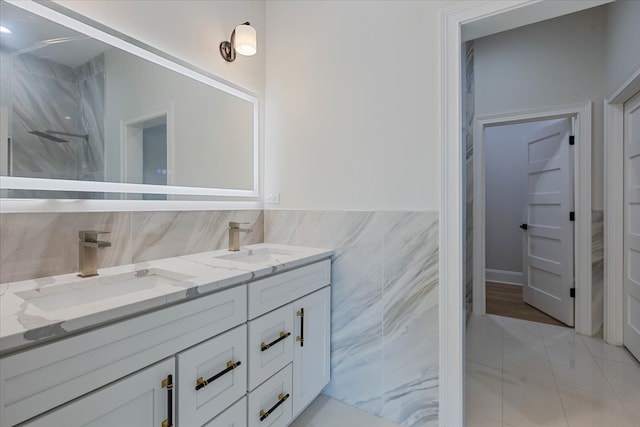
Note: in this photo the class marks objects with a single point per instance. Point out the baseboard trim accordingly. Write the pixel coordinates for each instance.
(503, 276)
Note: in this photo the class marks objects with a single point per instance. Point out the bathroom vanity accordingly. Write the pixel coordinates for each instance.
(212, 339)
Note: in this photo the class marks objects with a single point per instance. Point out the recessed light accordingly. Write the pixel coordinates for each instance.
(4, 30)
(67, 118)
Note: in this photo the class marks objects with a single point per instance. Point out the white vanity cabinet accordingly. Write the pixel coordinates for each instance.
(255, 354)
(141, 399)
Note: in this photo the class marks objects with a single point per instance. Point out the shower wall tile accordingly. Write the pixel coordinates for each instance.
(166, 234)
(46, 244)
(384, 298)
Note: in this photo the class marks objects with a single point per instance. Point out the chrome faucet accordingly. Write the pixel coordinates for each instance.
(88, 251)
(234, 234)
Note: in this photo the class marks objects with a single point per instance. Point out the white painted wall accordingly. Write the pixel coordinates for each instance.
(551, 63)
(622, 49)
(353, 104)
(505, 185)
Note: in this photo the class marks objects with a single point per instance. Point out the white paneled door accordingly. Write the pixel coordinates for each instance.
(632, 225)
(548, 244)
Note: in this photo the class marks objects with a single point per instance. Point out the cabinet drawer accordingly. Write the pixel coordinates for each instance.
(270, 344)
(270, 404)
(211, 376)
(137, 400)
(235, 416)
(276, 291)
(40, 379)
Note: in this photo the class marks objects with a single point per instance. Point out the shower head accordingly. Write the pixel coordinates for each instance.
(47, 136)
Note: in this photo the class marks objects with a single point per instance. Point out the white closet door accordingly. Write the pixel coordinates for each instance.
(548, 244)
(632, 225)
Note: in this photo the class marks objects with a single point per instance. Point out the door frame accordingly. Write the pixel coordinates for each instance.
(582, 193)
(614, 207)
(488, 17)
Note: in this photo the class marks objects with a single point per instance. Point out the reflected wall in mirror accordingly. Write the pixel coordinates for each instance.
(75, 108)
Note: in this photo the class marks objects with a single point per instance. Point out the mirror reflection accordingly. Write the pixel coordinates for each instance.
(75, 108)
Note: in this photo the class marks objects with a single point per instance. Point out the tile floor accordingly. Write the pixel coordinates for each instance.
(328, 412)
(521, 373)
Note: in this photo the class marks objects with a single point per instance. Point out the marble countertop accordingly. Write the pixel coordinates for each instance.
(40, 310)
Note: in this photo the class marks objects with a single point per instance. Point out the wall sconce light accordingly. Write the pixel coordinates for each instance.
(243, 41)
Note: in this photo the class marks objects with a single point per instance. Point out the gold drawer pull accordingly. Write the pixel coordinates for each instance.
(281, 399)
(231, 365)
(282, 336)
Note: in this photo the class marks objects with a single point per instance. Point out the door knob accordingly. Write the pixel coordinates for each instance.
(524, 226)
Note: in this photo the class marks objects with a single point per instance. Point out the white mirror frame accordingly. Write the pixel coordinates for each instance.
(249, 199)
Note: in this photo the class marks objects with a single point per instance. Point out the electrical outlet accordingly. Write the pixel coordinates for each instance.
(273, 198)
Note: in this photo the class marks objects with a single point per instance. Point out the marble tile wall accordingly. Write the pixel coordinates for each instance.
(384, 300)
(36, 245)
(49, 96)
(597, 267)
(469, 112)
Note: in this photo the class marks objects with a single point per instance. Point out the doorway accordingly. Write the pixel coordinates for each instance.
(547, 256)
(528, 179)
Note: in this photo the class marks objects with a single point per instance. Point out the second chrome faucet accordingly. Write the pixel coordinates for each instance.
(234, 234)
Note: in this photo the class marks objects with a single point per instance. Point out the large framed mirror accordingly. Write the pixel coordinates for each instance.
(88, 113)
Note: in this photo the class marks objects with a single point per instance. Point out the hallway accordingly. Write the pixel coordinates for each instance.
(522, 373)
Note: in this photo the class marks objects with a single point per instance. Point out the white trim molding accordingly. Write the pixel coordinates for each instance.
(582, 185)
(505, 277)
(614, 209)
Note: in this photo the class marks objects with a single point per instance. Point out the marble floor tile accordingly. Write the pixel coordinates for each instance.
(327, 412)
(602, 350)
(553, 382)
(530, 404)
(484, 341)
(578, 370)
(561, 338)
(625, 380)
(525, 361)
(474, 419)
(521, 330)
(585, 409)
(483, 391)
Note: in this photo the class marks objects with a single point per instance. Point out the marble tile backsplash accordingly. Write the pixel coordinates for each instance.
(384, 300)
(36, 245)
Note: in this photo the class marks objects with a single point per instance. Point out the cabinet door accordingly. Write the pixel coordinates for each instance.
(212, 375)
(270, 344)
(137, 400)
(270, 404)
(311, 371)
(234, 416)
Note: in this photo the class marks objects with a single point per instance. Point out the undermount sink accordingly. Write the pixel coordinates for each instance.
(255, 256)
(99, 288)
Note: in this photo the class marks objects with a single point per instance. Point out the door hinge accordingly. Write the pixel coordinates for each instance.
(572, 140)
(572, 292)
(572, 216)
